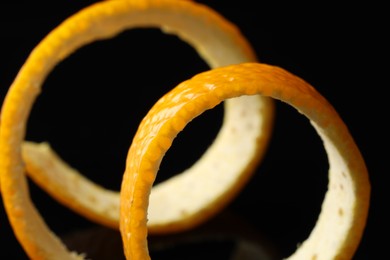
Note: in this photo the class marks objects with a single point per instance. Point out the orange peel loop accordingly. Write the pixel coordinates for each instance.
(216, 40)
(219, 43)
(342, 219)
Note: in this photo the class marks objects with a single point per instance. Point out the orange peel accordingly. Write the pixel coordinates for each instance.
(342, 219)
(214, 41)
(220, 43)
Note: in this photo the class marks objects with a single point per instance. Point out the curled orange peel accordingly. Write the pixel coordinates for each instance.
(219, 42)
(340, 224)
(342, 219)
(216, 40)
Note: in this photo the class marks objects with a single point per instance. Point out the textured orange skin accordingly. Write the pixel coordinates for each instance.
(204, 91)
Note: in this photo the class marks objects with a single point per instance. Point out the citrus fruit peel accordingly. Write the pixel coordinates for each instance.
(217, 41)
(342, 219)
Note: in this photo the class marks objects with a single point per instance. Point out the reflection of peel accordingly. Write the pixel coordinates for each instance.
(239, 239)
(342, 219)
(216, 40)
(242, 239)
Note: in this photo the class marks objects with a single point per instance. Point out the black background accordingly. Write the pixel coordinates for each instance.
(92, 102)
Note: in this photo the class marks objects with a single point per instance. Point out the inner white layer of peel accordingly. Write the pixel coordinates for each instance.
(218, 169)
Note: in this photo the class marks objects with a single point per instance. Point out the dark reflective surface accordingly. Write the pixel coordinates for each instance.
(225, 237)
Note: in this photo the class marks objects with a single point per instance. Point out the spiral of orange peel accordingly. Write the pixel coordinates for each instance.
(220, 43)
(340, 224)
(216, 40)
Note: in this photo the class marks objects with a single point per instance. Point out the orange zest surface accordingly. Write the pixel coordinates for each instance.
(216, 40)
(341, 222)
